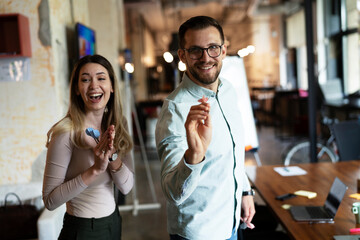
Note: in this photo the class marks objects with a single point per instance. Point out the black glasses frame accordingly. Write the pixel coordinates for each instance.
(202, 51)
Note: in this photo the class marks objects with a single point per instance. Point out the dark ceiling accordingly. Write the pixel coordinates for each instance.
(163, 17)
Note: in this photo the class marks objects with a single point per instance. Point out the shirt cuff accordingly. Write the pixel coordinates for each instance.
(191, 168)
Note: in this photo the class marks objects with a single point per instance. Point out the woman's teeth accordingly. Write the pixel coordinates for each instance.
(96, 96)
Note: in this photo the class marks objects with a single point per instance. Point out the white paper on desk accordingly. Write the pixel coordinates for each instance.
(290, 171)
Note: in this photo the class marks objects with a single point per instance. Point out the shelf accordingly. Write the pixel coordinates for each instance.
(15, 36)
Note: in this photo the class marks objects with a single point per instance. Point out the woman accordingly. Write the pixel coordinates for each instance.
(80, 170)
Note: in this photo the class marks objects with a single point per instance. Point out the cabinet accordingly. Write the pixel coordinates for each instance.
(15, 36)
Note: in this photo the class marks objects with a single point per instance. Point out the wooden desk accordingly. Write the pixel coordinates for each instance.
(319, 178)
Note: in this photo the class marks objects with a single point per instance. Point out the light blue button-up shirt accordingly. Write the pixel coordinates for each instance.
(203, 200)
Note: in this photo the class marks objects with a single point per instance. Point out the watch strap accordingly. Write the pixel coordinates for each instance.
(251, 192)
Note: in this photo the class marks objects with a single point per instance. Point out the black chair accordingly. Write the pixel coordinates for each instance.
(347, 137)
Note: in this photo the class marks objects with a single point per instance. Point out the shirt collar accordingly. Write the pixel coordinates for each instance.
(197, 90)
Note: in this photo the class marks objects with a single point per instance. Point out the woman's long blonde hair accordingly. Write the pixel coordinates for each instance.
(73, 122)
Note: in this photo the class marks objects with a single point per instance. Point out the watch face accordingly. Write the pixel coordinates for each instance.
(114, 156)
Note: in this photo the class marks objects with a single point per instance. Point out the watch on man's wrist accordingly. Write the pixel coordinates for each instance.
(113, 157)
(251, 192)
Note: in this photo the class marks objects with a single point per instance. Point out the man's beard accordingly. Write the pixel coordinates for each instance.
(205, 80)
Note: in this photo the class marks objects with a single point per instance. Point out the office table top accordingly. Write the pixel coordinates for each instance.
(319, 178)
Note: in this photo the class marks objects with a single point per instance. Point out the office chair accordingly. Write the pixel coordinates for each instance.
(347, 137)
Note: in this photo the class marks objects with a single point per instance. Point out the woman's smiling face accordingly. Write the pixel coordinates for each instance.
(94, 86)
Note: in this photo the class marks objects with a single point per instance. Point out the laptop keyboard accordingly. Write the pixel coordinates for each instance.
(316, 212)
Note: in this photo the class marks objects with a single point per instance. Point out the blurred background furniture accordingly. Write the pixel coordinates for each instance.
(262, 103)
(347, 137)
(29, 193)
(290, 113)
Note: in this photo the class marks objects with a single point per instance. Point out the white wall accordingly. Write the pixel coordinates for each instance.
(295, 28)
(352, 83)
(29, 108)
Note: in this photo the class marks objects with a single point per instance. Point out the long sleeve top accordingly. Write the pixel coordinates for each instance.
(203, 200)
(63, 183)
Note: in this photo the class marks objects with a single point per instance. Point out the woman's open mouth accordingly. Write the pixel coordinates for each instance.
(95, 97)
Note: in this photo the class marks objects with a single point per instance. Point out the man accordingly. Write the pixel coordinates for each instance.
(200, 141)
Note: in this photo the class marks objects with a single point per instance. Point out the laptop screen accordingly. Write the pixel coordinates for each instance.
(335, 196)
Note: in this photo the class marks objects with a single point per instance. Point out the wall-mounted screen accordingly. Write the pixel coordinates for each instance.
(85, 40)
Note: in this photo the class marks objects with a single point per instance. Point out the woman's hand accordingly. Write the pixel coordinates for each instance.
(104, 149)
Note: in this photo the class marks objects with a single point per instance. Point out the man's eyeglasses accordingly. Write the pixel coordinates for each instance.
(195, 53)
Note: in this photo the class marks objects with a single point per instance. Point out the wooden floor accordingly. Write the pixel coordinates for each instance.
(150, 224)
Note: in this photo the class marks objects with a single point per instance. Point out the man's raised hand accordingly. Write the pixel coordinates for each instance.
(198, 131)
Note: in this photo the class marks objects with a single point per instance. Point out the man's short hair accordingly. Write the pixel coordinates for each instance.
(197, 23)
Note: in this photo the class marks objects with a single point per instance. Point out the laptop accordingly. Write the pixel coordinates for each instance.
(324, 213)
(347, 237)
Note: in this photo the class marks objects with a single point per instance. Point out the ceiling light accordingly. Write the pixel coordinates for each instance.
(251, 48)
(243, 52)
(181, 66)
(168, 57)
(129, 67)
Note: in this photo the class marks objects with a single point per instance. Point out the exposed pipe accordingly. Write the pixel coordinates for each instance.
(255, 9)
(311, 79)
